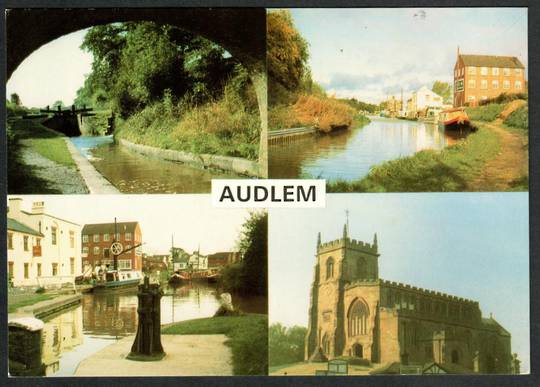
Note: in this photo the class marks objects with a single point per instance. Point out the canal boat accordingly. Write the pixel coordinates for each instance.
(179, 277)
(213, 276)
(117, 280)
(432, 115)
(453, 119)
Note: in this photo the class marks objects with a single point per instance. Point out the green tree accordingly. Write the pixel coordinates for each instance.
(287, 51)
(444, 89)
(250, 275)
(57, 104)
(15, 99)
(285, 345)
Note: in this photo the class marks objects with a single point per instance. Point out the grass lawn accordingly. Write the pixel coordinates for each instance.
(248, 339)
(448, 170)
(30, 299)
(42, 140)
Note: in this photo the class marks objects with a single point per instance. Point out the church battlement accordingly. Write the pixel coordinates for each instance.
(427, 292)
(370, 248)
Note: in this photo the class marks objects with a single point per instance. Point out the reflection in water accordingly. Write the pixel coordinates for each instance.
(103, 318)
(131, 172)
(349, 155)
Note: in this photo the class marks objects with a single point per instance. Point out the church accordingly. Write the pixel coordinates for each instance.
(354, 313)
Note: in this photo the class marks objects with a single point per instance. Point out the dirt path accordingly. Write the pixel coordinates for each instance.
(508, 166)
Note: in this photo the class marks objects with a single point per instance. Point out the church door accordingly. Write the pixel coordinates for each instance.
(358, 350)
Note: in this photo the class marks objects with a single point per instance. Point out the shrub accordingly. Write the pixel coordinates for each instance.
(40, 290)
(519, 118)
(485, 113)
(505, 98)
(325, 114)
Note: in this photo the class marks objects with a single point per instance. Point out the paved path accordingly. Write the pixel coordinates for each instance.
(60, 178)
(510, 164)
(186, 355)
(47, 306)
(95, 182)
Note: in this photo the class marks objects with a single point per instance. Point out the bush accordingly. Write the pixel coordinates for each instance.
(285, 345)
(40, 290)
(519, 118)
(486, 113)
(505, 98)
(325, 114)
(228, 126)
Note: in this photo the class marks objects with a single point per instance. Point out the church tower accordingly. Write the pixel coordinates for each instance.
(338, 263)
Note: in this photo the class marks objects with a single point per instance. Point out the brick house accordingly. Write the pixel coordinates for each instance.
(353, 312)
(98, 238)
(482, 77)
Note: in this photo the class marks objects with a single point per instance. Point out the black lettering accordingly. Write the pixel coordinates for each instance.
(288, 191)
(248, 194)
(305, 197)
(273, 190)
(226, 194)
(257, 189)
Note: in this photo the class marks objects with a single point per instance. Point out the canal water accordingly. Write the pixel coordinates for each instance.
(102, 319)
(349, 154)
(131, 172)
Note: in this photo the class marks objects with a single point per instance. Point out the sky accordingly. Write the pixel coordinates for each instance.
(53, 72)
(371, 54)
(190, 218)
(472, 245)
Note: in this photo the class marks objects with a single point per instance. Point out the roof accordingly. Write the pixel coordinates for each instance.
(491, 61)
(50, 216)
(14, 225)
(108, 228)
(491, 324)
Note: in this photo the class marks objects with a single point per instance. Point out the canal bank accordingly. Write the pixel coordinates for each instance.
(348, 155)
(463, 166)
(100, 320)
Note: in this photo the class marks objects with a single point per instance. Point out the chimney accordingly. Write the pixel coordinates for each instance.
(38, 208)
(14, 207)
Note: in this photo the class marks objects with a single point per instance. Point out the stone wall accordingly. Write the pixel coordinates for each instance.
(225, 163)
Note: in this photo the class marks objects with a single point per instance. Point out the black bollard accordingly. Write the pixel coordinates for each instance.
(147, 345)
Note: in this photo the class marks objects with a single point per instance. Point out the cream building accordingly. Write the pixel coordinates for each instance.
(42, 249)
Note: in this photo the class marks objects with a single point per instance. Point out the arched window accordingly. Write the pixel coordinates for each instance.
(357, 318)
(330, 268)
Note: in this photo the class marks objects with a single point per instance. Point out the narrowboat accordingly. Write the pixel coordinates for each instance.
(179, 277)
(117, 280)
(452, 119)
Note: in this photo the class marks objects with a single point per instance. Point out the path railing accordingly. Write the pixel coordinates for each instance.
(282, 136)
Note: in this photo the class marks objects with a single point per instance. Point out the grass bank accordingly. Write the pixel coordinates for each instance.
(42, 140)
(248, 339)
(27, 300)
(222, 127)
(448, 170)
(324, 113)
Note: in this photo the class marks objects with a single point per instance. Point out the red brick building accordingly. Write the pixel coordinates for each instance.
(482, 77)
(98, 238)
(222, 258)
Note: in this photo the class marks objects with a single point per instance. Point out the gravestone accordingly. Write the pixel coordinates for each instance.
(147, 345)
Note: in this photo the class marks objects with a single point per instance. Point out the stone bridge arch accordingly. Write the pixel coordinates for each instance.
(241, 31)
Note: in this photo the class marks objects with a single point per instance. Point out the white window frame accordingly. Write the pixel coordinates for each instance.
(85, 250)
(472, 70)
(483, 71)
(506, 72)
(96, 250)
(495, 84)
(484, 84)
(495, 71)
(85, 238)
(105, 237)
(517, 71)
(517, 85)
(472, 84)
(472, 98)
(127, 236)
(124, 264)
(95, 238)
(506, 84)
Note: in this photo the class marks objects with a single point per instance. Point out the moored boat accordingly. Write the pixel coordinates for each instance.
(118, 280)
(452, 119)
(179, 277)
